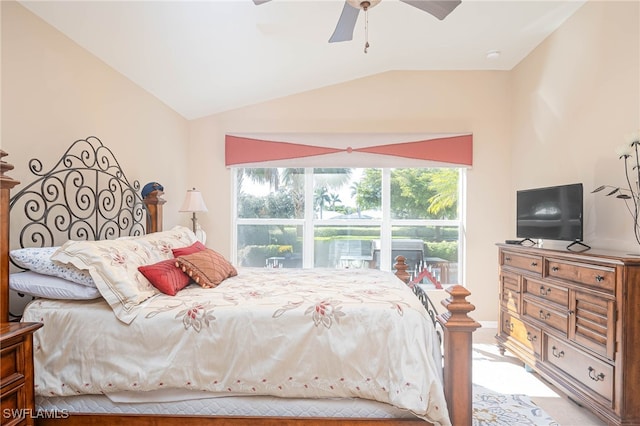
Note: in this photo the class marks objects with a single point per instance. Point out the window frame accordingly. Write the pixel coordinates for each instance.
(386, 224)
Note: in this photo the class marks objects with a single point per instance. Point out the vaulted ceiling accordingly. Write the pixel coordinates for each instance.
(205, 57)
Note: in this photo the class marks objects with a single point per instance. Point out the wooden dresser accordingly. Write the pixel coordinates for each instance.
(575, 319)
(16, 366)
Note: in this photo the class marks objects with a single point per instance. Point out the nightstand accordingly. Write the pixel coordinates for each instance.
(16, 379)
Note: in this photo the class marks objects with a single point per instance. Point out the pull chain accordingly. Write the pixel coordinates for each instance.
(366, 29)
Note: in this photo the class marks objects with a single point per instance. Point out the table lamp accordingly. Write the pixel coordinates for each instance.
(193, 203)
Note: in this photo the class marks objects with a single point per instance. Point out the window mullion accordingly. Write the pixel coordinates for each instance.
(386, 263)
(309, 226)
(234, 217)
(462, 224)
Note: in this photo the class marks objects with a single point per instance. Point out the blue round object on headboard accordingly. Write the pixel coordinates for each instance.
(150, 187)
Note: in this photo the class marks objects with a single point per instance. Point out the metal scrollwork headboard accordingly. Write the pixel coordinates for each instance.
(84, 196)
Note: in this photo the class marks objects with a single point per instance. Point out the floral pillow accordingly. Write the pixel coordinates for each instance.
(207, 267)
(38, 259)
(113, 265)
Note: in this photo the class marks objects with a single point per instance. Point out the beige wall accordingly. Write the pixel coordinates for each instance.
(392, 102)
(555, 118)
(55, 92)
(575, 98)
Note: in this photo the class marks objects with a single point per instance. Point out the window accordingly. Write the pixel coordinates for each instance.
(351, 218)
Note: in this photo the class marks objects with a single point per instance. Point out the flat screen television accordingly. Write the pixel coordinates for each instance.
(552, 213)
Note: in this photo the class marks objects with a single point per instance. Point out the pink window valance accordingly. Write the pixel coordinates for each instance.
(348, 150)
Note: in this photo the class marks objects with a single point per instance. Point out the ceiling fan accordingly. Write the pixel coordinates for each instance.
(347, 21)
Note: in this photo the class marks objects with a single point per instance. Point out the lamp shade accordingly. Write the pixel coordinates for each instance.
(193, 202)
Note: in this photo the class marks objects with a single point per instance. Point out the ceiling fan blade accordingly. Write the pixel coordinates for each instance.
(438, 8)
(346, 24)
(259, 2)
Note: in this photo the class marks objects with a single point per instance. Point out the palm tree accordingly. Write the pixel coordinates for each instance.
(333, 199)
(271, 176)
(321, 197)
(333, 178)
(444, 182)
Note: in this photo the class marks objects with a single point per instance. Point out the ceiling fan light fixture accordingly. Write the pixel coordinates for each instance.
(351, 9)
(363, 4)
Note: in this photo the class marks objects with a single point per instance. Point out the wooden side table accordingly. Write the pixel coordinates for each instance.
(16, 367)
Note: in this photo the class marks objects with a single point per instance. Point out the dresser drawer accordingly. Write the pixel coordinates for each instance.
(546, 292)
(526, 334)
(600, 277)
(12, 401)
(543, 314)
(510, 292)
(525, 262)
(11, 364)
(16, 368)
(12, 384)
(592, 373)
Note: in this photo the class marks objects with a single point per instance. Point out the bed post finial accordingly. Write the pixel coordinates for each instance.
(4, 166)
(6, 184)
(401, 269)
(154, 203)
(458, 329)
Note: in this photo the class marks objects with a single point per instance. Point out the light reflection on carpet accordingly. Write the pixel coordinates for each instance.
(496, 409)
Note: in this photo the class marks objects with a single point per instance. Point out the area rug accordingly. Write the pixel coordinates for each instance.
(497, 409)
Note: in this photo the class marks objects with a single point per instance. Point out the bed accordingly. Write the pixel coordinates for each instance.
(225, 344)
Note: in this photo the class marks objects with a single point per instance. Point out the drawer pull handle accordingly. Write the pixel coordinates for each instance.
(555, 352)
(595, 377)
(509, 325)
(544, 316)
(530, 337)
(507, 259)
(555, 268)
(544, 291)
(534, 264)
(599, 278)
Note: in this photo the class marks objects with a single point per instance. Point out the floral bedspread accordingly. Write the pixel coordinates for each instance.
(282, 332)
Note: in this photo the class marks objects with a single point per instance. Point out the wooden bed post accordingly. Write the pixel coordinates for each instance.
(457, 340)
(401, 269)
(154, 203)
(6, 184)
(458, 329)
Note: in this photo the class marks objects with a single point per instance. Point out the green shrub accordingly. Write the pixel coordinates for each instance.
(447, 250)
(341, 232)
(281, 241)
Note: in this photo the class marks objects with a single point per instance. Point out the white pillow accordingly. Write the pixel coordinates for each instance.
(38, 259)
(50, 287)
(113, 265)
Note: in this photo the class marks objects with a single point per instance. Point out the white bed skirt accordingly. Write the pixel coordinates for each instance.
(227, 406)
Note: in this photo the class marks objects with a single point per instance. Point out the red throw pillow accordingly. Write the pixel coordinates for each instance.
(165, 276)
(193, 248)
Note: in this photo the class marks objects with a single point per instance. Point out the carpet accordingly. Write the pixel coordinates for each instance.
(497, 409)
(502, 390)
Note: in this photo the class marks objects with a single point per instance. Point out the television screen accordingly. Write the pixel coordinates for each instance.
(553, 213)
